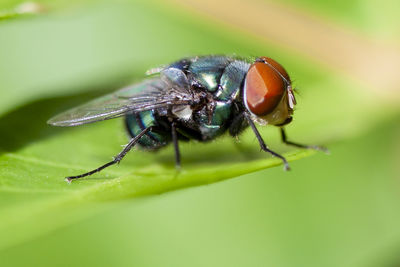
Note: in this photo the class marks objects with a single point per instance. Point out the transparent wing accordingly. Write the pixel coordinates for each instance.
(151, 94)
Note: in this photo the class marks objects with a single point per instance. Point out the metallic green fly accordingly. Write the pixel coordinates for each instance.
(197, 98)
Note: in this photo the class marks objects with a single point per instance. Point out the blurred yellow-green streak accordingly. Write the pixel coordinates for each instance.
(370, 61)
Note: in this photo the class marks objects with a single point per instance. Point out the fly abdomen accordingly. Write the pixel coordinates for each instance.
(158, 137)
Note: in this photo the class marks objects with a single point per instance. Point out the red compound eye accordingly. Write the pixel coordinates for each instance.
(264, 86)
(276, 65)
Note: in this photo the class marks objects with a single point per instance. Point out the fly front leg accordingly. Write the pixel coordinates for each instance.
(263, 146)
(116, 159)
(284, 139)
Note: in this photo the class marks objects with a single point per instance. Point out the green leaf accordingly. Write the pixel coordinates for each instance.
(37, 170)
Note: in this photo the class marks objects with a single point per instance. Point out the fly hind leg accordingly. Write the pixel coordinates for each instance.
(116, 159)
(176, 146)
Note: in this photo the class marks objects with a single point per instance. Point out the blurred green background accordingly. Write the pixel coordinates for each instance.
(340, 209)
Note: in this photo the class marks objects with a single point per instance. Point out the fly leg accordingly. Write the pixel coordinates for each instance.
(116, 159)
(176, 146)
(263, 146)
(284, 139)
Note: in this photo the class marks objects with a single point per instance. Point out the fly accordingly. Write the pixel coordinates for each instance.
(197, 98)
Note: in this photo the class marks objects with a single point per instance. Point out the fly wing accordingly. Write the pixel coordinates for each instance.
(161, 92)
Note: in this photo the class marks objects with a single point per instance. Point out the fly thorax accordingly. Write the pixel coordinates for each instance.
(213, 124)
